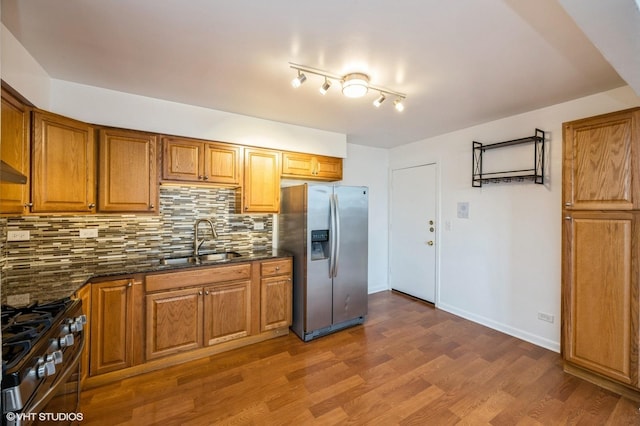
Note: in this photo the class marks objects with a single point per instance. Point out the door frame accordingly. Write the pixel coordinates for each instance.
(438, 235)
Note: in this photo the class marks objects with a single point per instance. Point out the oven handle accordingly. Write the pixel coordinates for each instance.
(41, 404)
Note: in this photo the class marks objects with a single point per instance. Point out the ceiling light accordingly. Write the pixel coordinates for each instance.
(297, 82)
(355, 85)
(325, 86)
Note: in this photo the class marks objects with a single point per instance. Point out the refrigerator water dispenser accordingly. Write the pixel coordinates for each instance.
(319, 244)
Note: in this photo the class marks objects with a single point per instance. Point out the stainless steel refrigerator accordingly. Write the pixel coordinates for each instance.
(325, 227)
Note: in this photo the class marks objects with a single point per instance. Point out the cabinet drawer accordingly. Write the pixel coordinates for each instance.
(198, 276)
(275, 267)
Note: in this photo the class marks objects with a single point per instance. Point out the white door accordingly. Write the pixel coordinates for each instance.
(412, 250)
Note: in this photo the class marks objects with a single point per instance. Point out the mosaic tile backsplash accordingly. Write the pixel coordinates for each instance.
(56, 259)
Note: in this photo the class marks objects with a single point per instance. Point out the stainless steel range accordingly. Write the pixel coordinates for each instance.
(41, 348)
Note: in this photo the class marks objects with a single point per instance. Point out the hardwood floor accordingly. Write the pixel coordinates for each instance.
(409, 364)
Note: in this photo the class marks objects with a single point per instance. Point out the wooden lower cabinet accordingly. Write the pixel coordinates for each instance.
(173, 322)
(112, 325)
(148, 322)
(227, 312)
(275, 294)
(600, 294)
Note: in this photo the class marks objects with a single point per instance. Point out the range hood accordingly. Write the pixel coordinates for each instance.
(10, 175)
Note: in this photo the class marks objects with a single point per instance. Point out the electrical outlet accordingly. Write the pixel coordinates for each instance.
(542, 316)
(89, 233)
(18, 235)
(18, 299)
(258, 226)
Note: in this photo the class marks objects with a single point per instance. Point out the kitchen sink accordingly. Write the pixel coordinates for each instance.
(203, 258)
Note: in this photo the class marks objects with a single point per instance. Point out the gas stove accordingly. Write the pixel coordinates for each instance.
(41, 346)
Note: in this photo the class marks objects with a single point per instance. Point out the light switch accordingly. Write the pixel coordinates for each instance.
(463, 210)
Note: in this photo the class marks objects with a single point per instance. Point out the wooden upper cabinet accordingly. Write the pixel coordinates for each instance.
(64, 164)
(190, 160)
(14, 144)
(127, 171)
(601, 167)
(261, 191)
(600, 293)
(312, 167)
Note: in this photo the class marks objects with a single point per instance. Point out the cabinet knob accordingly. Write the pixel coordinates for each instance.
(92, 205)
(151, 206)
(28, 205)
(200, 177)
(200, 293)
(568, 204)
(206, 293)
(129, 284)
(205, 177)
(277, 268)
(567, 218)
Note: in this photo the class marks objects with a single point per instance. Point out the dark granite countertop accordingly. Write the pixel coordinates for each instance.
(126, 268)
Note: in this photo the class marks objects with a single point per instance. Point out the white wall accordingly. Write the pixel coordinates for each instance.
(365, 166)
(502, 266)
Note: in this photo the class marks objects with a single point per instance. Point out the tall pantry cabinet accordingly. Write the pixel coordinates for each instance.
(601, 250)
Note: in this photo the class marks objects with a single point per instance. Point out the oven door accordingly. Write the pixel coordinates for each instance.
(59, 405)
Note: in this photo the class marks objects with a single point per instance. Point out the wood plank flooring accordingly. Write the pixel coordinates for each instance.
(409, 364)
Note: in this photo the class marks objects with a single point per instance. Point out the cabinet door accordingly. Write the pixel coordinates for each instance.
(601, 162)
(328, 168)
(128, 174)
(111, 326)
(182, 160)
(600, 293)
(227, 312)
(261, 181)
(222, 163)
(174, 322)
(14, 147)
(275, 300)
(312, 167)
(63, 164)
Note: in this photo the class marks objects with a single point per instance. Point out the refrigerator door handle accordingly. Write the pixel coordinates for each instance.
(336, 261)
(332, 235)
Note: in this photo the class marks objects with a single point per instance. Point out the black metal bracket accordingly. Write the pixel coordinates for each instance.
(536, 174)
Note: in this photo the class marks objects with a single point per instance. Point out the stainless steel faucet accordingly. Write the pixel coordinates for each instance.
(198, 242)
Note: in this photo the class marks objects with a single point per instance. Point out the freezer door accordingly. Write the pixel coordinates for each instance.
(318, 293)
(350, 285)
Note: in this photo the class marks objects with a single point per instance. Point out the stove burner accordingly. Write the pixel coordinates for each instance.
(13, 353)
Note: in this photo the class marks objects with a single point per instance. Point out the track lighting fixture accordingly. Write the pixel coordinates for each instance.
(301, 78)
(354, 85)
(325, 86)
(379, 100)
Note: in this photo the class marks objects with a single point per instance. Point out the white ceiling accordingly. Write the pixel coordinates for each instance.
(461, 62)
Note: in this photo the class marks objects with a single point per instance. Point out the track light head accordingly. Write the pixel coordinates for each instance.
(379, 100)
(398, 104)
(325, 86)
(297, 82)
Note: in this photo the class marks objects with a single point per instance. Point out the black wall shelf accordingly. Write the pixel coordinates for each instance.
(535, 174)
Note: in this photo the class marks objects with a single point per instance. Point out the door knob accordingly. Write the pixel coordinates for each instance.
(429, 243)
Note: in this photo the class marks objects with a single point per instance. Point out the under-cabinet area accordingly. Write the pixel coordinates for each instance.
(144, 322)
